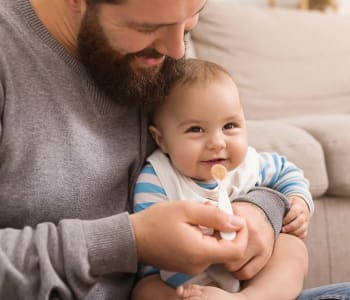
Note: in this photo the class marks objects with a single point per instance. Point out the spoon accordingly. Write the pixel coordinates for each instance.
(219, 172)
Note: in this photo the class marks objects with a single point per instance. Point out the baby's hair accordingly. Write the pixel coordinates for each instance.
(195, 71)
(201, 71)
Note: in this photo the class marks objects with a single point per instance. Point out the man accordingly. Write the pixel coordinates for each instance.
(75, 77)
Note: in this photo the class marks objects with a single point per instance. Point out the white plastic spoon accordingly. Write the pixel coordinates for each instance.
(219, 172)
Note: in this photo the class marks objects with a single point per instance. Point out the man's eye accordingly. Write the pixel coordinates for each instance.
(229, 126)
(146, 30)
(195, 129)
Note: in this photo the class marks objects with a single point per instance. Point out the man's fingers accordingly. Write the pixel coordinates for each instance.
(214, 249)
(181, 246)
(253, 261)
(210, 216)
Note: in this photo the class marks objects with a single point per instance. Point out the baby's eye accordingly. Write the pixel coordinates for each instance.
(195, 129)
(230, 126)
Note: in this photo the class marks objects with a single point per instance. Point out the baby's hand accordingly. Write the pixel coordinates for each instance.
(297, 220)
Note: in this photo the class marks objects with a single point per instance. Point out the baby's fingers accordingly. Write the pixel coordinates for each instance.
(300, 233)
(294, 224)
(291, 215)
(298, 228)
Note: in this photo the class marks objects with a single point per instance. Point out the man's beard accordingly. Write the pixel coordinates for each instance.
(112, 72)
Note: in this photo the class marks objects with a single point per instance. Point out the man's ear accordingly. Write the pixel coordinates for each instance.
(77, 6)
(157, 136)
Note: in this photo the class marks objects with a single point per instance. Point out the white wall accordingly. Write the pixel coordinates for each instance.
(283, 3)
(343, 5)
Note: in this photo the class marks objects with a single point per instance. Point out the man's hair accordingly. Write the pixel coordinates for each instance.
(201, 71)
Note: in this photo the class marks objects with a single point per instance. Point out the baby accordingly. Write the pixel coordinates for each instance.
(201, 123)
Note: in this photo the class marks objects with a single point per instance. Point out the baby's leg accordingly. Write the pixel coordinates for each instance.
(282, 277)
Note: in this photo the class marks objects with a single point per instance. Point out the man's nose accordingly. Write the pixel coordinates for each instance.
(171, 41)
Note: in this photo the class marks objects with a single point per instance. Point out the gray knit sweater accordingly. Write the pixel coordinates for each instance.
(68, 161)
(67, 155)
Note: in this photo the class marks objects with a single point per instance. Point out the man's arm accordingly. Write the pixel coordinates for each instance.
(66, 258)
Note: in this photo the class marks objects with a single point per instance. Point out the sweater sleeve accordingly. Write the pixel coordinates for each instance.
(66, 258)
(274, 205)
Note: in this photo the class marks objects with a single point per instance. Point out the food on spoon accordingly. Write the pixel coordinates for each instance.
(219, 172)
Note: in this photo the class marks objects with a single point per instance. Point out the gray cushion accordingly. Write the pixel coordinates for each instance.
(329, 251)
(297, 145)
(332, 133)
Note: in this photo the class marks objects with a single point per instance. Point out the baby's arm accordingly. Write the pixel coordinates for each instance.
(283, 176)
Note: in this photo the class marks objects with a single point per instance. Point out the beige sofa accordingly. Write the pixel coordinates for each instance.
(293, 72)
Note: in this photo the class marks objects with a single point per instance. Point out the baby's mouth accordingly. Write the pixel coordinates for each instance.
(215, 161)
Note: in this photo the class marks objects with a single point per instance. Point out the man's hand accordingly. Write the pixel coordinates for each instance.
(297, 220)
(260, 242)
(168, 237)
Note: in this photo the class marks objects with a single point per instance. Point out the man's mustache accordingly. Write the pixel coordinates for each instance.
(148, 53)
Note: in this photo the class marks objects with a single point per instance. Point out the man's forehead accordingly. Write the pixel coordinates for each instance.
(161, 12)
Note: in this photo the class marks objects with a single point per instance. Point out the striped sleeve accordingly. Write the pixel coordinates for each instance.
(148, 189)
(278, 173)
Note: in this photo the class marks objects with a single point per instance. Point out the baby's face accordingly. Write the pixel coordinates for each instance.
(202, 125)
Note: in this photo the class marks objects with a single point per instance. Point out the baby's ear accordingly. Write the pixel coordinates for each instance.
(157, 136)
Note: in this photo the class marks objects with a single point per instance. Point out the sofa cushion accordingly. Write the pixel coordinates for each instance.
(330, 131)
(285, 62)
(296, 144)
(326, 242)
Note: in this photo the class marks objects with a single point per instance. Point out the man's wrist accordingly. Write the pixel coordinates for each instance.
(111, 244)
(274, 205)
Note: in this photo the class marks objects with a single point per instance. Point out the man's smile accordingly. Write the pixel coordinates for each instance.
(146, 62)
